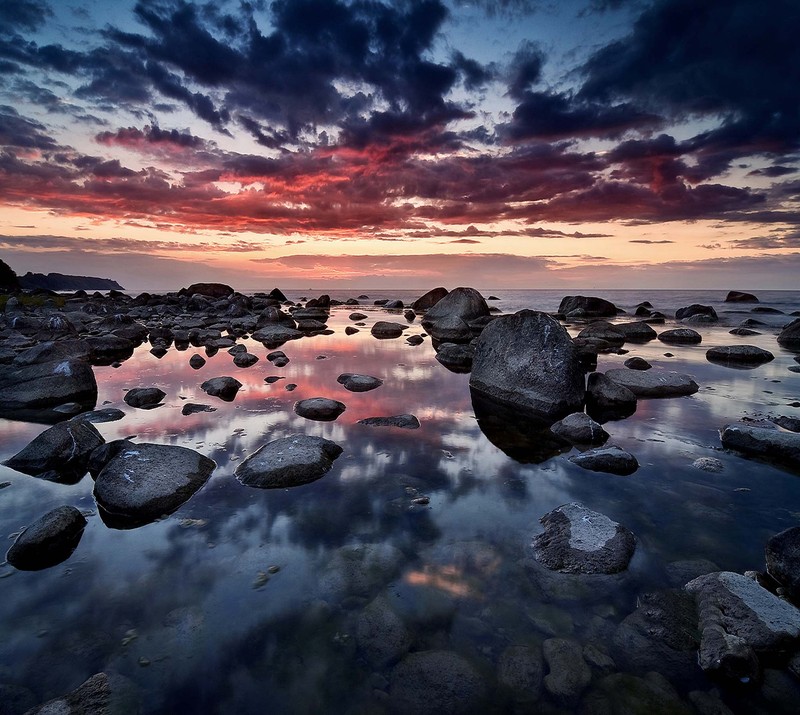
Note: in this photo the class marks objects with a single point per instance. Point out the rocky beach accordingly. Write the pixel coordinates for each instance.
(454, 502)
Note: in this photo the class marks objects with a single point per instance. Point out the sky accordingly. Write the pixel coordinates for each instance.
(591, 144)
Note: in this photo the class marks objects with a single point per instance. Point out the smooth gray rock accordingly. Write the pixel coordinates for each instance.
(321, 409)
(637, 363)
(789, 337)
(587, 307)
(431, 298)
(288, 462)
(404, 421)
(31, 389)
(464, 303)
(145, 481)
(569, 675)
(653, 383)
(695, 309)
(385, 329)
(455, 357)
(381, 635)
(739, 621)
(578, 540)
(358, 383)
(681, 336)
(48, 541)
(191, 408)
(519, 670)
(783, 559)
(102, 694)
(60, 453)
(74, 349)
(224, 387)
(636, 332)
(611, 459)
(273, 334)
(105, 414)
(579, 428)
(738, 296)
(358, 316)
(144, 397)
(606, 399)
(772, 445)
(528, 362)
(603, 330)
(745, 355)
(451, 329)
(436, 683)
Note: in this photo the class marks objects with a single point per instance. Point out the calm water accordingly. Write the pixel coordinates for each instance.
(182, 608)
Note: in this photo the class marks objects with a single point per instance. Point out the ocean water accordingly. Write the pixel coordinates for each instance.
(187, 607)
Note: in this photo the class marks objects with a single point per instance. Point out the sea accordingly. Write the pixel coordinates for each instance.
(327, 597)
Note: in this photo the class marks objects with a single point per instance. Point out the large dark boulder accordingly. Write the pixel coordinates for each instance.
(610, 459)
(431, 298)
(321, 409)
(581, 306)
(783, 560)
(71, 349)
(9, 282)
(696, 309)
(528, 361)
(737, 296)
(789, 337)
(102, 694)
(464, 303)
(654, 382)
(144, 397)
(771, 445)
(636, 332)
(145, 481)
(680, 336)
(224, 387)
(210, 290)
(288, 462)
(48, 541)
(739, 355)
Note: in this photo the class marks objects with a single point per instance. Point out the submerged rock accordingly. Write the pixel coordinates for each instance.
(223, 387)
(611, 459)
(625, 694)
(578, 540)
(744, 355)
(519, 670)
(144, 397)
(101, 694)
(319, 408)
(772, 445)
(382, 636)
(48, 541)
(404, 421)
(569, 675)
(288, 462)
(358, 383)
(145, 481)
(528, 361)
(654, 383)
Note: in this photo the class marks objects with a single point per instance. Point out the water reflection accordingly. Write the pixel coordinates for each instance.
(217, 637)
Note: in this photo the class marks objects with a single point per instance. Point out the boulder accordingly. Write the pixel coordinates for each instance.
(739, 622)
(743, 332)
(109, 348)
(783, 559)
(637, 363)
(144, 397)
(49, 351)
(577, 540)
(586, 307)
(737, 296)
(358, 316)
(321, 409)
(519, 671)
(381, 635)
(101, 694)
(608, 400)
(739, 355)
(637, 332)
(245, 359)
(451, 329)
(358, 383)
(48, 541)
(274, 334)
(527, 361)
(579, 428)
(60, 453)
(464, 303)
(680, 336)
(196, 361)
(145, 481)
(435, 683)
(277, 294)
(210, 290)
(403, 421)
(386, 329)
(696, 309)
(772, 445)
(223, 387)
(431, 298)
(106, 414)
(605, 331)
(789, 337)
(288, 462)
(455, 357)
(611, 459)
(569, 675)
(653, 383)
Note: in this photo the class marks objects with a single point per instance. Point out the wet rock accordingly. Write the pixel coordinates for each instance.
(60, 453)
(321, 409)
(708, 464)
(288, 462)
(191, 408)
(385, 329)
(695, 309)
(382, 636)
(790, 423)
(450, 328)
(771, 445)
(102, 694)
(568, 674)
(783, 559)
(144, 397)
(210, 290)
(30, 390)
(106, 414)
(606, 399)
(197, 361)
(245, 359)
(15, 699)
(48, 541)
(579, 428)
(274, 334)
(435, 683)
(358, 383)
(54, 350)
(737, 296)
(465, 304)
(744, 355)
(789, 337)
(410, 316)
(519, 670)
(223, 387)
(403, 421)
(415, 340)
(680, 336)
(527, 361)
(350, 330)
(586, 307)
(610, 459)
(431, 298)
(625, 694)
(637, 363)
(290, 387)
(145, 481)
(455, 357)
(358, 316)
(602, 330)
(393, 305)
(740, 620)
(743, 332)
(578, 540)
(636, 332)
(106, 349)
(653, 383)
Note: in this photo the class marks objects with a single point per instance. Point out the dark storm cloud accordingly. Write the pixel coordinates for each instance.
(789, 239)
(774, 171)
(525, 69)
(23, 14)
(21, 132)
(151, 135)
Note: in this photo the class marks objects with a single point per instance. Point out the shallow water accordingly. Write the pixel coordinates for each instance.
(187, 609)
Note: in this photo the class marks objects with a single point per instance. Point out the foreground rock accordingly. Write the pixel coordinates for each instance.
(610, 459)
(223, 387)
(789, 337)
(772, 445)
(403, 421)
(528, 361)
(739, 622)
(144, 397)
(578, 540)
(579, 428)
(358, 383)
(101, 694)
(60, 453)
(321, 409)
(580, 306)
(654, 383)
(783, 560)
(608, 400)
(288, 462)
(48, 541)
(145, 481)
(435, 683)
(29, 391)
(739, 355)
